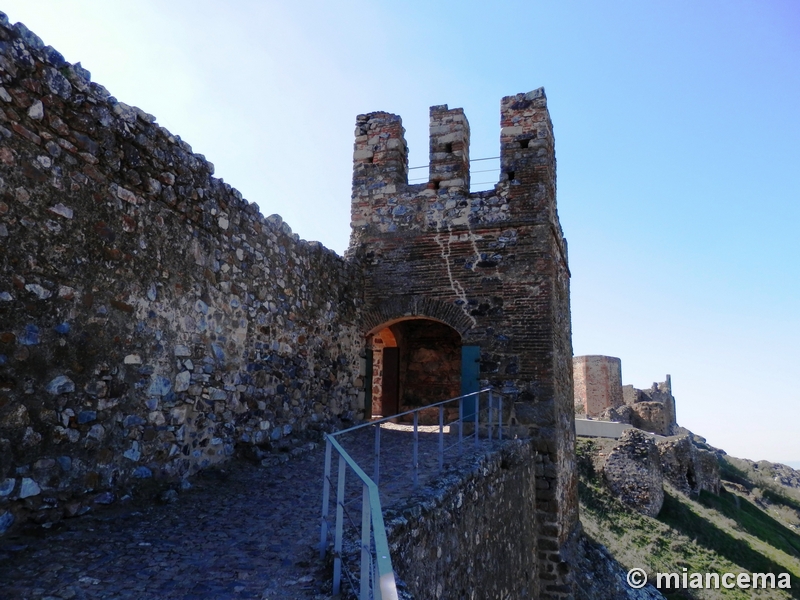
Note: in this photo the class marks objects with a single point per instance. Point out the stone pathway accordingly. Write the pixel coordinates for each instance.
(247, 531)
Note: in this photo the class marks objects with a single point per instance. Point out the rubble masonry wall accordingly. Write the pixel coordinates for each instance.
(151, 319)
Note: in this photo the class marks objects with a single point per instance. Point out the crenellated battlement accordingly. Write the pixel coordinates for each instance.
(383, 201)
(449, 150)
(380, 154)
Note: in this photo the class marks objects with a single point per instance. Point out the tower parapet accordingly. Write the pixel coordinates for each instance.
(449, 149)
(380, 162)
(527, 154)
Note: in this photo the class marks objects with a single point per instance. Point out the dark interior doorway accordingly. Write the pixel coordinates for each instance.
(390, 398)
(416, 362)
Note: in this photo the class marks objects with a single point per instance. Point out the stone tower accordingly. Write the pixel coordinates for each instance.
(446, 268)
(598, 384)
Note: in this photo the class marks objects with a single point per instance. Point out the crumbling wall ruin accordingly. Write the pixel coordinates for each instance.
(652, 409)
(151, 319)
(638, 465)
(688, 467)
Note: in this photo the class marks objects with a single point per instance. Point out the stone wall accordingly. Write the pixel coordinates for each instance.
(632, 471)
(689, 468)
(475, 531)
(598, 384)
(491, 265)
(652, 409)
(151, 319)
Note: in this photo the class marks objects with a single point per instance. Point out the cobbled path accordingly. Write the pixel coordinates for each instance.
(246, 531)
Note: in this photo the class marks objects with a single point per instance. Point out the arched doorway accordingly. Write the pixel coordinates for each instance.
(415, 362)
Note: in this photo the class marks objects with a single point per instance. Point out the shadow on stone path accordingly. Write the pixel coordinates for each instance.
(247, 531)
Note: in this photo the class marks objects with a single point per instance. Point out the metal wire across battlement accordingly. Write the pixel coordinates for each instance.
(376, 579)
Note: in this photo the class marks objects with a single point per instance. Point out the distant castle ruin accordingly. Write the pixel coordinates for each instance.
(599, 394)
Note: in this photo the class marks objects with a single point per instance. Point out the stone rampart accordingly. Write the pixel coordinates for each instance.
(476, 531)
(151, 319)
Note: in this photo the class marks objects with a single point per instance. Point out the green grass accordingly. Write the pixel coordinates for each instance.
(743, 473)
(754, 521)
(716, 534)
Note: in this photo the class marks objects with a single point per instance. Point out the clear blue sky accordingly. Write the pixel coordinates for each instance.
(677, 135)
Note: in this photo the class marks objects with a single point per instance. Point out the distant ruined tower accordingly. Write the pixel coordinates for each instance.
(598, 384)
(464, 289)
(599, 393)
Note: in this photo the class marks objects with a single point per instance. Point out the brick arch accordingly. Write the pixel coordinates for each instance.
(399, 308)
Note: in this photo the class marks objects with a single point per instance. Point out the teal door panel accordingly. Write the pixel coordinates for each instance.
(470, 378)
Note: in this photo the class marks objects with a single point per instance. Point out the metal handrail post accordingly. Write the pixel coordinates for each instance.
(377, 471)
(441, 437)
(385, 573)
(365, 544)
(326, 499)
(489, 421)
(337, 544)
(460, 426)
(477, 417)
(415, 457)
(376, 583)
(500, 419)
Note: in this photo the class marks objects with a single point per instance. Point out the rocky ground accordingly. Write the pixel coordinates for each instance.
(246, 531)
(740, 518)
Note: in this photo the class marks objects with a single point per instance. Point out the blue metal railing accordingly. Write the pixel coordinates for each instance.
(377, 580)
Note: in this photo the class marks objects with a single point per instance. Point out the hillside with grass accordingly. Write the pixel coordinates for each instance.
(752, 526)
